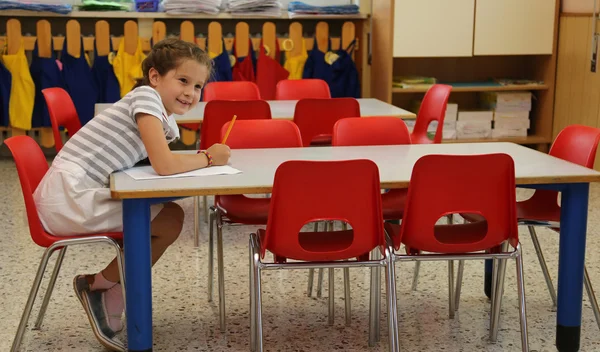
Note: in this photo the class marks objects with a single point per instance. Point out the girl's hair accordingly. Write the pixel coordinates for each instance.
(168, 54)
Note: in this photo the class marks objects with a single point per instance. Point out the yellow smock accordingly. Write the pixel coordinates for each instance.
(22, 90)
(295, 64)
(128, 67)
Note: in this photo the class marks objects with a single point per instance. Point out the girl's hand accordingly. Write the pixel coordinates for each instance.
(220, 153)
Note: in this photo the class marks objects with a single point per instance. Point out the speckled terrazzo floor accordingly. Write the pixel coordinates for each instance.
(185, 321)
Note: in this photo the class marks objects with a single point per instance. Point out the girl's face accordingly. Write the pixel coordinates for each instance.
(180, 88)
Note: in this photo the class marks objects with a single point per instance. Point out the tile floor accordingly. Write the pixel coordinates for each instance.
(185, 321)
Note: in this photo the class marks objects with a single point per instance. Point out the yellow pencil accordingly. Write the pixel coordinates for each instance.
(229, 129)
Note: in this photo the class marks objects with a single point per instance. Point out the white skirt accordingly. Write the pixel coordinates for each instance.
(71, 203)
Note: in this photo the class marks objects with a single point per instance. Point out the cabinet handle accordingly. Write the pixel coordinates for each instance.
(594, 40)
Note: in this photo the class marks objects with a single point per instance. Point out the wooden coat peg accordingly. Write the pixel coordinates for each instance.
(102, 33)
(13, 43)
(269, 38)
(73, 38)
(130, 36)
(159, 31)
(188, 137)
(242, 39)
(348, 35)
(322, 36)
(215, 38)
(296, 38)
(44, 42)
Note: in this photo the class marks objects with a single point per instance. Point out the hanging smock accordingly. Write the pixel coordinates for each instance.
(295, 64)
(244, 67)
(5, 84)
(345, 82)
(79, 83)
(269, 72)
(317, 67)
(128, 67)
(22, 90)
(46, 74)
(109, 90)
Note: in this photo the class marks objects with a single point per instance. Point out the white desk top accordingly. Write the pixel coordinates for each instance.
(395, 167)
(284, 109)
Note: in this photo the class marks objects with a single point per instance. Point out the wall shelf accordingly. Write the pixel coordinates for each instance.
(483, 88)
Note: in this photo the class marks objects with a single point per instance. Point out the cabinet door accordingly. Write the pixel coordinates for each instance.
(431, 28)
(514, 27)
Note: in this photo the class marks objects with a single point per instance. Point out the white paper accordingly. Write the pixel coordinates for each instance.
(148, 173)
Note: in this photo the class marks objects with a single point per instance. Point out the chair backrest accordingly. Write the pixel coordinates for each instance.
(316, 117)
(62, 113)
(577, 144)
(447, 184)
(308, 191)
(296, 89)
(237, 90)
(433, 108)
(253, 134)
(31, 167)
(382, 130)
(219, 112)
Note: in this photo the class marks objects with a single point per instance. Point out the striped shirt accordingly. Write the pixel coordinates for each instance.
(111, 140)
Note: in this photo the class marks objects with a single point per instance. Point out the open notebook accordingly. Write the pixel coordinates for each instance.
(148, 173)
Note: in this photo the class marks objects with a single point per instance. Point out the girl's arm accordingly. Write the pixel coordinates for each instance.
(163, 160)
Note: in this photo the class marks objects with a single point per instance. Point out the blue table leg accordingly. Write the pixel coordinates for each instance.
(138, 275)
(571, 261)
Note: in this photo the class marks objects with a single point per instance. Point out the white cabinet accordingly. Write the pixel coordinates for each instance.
(514, 27)
(433, 28)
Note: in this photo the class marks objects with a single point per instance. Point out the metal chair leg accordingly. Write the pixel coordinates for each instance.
(196, 221)
(221, 270)
(211, 251)
(540, 255)
(497, 299)
(252, 297)
(205, 207)
(416, 276)
(451, 302)
(375, 292)
(331, 297)
(390, 275)
(522, 308)
(31, 299)
(347, 298)
(50, 289)
(591, 296)
(256, 281)
(311, 272)
(459, 277)
(320, 284)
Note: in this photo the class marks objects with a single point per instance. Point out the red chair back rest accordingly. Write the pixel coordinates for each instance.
(253, 134)
(240, 90)
(308, 191)
(316, 117)
(62, 113)
(433, 108)
(370, 131)
(31, 167)
(449, 184)
(219, 112)
(302, 89)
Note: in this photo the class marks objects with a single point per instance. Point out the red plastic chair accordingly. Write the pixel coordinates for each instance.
(31, 167)
(433, 108)
(448, 184)
(62, 113)
(376, 131)
(297, 89)
(577, 144)
(347, 191)
(245, 134)
(315, 117)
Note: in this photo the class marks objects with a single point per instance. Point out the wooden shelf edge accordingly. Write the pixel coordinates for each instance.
(519, 140)
(163, 15)
(513, 87)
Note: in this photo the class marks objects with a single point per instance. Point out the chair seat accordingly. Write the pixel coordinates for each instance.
(392, 204)
(244, 210)
(320, 246)
(459, 238)
(529, 210)
(48, 239)
(321, 140)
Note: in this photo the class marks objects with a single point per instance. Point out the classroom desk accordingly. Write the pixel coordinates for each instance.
(532, 169)
(284, 109)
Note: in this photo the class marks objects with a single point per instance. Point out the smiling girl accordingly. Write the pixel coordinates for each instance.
(74, 195)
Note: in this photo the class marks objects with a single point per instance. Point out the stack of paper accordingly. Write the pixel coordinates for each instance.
(175, 7)
(267, 8)
(298, 8)
(474, 124)
(511, 112)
